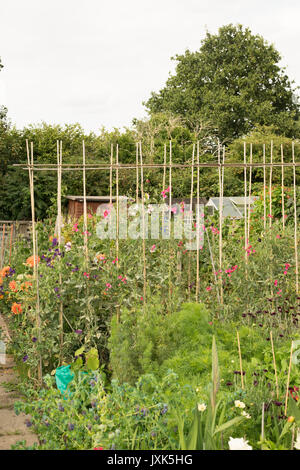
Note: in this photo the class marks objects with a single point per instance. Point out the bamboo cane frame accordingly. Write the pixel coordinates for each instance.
(288, 380)
(270, 185)
(143, 229)
(264, 173)
(221, 193)
(274, 364)
(250, 188)
(198, 226)
(295, 220)
(282, 188)
(2, 245)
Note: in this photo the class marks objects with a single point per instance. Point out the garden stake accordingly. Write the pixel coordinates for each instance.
(164, 166)
(245, 206)
(137, 172)
(30, 169)
(282, 189)
(143, 226)
(250, 184)
(117, 229)
(264, 163)
(84, 208)
(197, 224)
(59, 172)
(240, 356)
(170, 223)
(110, 174)
(274, 363)
(10, 241)
(288, 381)
(270, 190)
(295, 217)
(191, 221)
(38, 318)
(2, 245)
(221, 191)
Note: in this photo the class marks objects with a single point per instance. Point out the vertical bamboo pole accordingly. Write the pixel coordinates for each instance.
(10, 241)
(137, 173)
(143, 226)
(117, 222)
(38, 318)
(84, 206)
(2, 244)
(270, 186)
(288, 380)
(274, 363)
(191, 221)
(221, 190)
(110, 174)
(245, 202)
(59, 171)
(117, 205)
(240, 357)
(31, 182)
(170, 223)
(250, 188)
(165, 165)
(264, 166)
(295, 219)
(282, 189)
(197, 224)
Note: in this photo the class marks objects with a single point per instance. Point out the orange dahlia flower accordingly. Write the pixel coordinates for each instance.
(16, 308)
(13, 286)
(31, 261)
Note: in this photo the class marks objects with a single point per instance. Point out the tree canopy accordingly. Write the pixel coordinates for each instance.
(234, 81)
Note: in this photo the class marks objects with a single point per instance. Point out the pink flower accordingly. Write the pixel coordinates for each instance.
(115, 260)
(208, 288)
(120, 277)
(275, 283)
(174, 210)
(86, 275)
(108, 285)
(106, 213)
(152, 249)
(75, 228)
(90, 216)
(278, 236)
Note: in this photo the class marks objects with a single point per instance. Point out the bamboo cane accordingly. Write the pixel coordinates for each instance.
(221, 190)
(245, 203)
(84, 207)
(117, 206)
(143, 226)
(197, 225)
(59, 172)
(164, 166)
(274, 363)
(38, 318)
(250, 188)
(295, 220)
(10, 242)
(288, 380)
(240, 356)
(110, 174)
(264, 168)
(282, 189)
(137, 173)
(191, 221)
(270, 188)
(2, 245)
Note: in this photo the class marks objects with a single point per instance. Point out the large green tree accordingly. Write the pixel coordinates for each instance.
(234, 81)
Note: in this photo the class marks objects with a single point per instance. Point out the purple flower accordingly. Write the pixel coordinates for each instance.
(25, 358)
(71, 427)
(28, 423)
(79, 332)
(34, 339)
(56, 289)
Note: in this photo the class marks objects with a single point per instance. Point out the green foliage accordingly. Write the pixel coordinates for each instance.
(233, 81)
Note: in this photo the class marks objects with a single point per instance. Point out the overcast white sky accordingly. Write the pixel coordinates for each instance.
(95, 61)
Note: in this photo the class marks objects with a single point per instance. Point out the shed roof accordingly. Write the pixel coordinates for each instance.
(232, 206)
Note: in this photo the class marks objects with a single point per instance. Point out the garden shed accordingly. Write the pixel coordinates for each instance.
(75, 204)
(233, 207)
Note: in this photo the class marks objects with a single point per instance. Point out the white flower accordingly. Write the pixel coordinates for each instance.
(202, 407)
(297, 443)
(198, 389)
(246, 415)
(238, 444)
(239, 404)
(68, 246)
